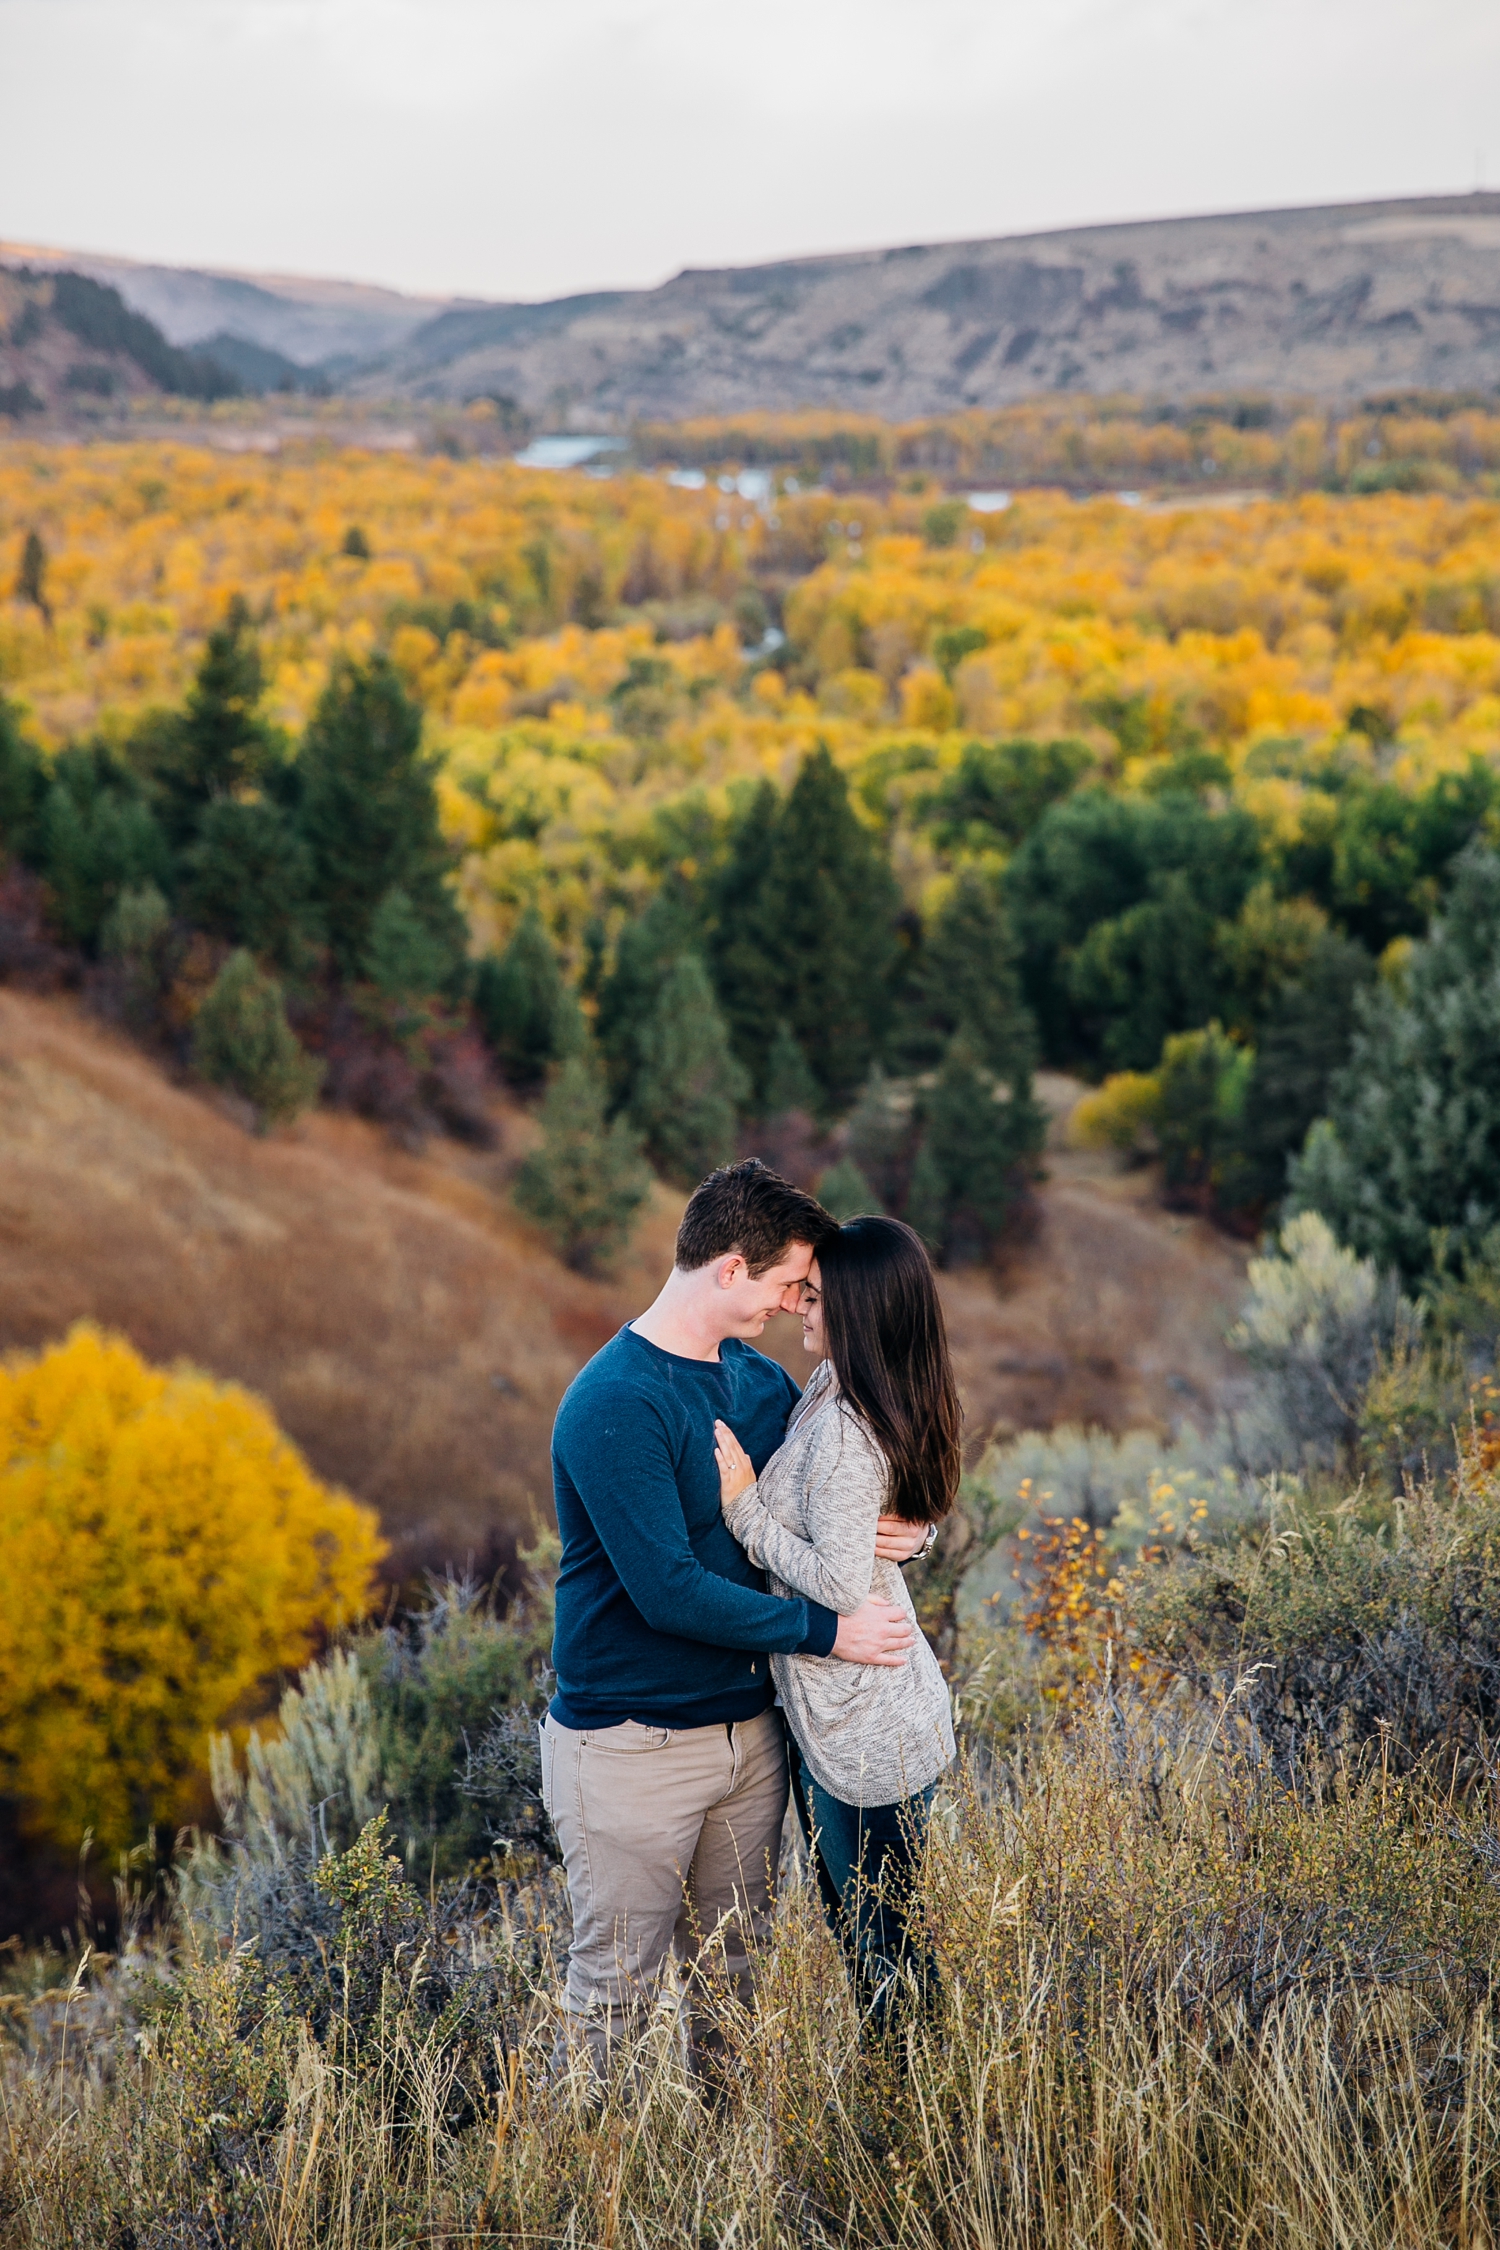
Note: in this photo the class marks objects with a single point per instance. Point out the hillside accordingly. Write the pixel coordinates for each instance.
(414, 1337)
(70, 346)
(1332, 302)
(307, 321)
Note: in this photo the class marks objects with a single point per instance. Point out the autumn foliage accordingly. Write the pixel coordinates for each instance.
(166, 1550)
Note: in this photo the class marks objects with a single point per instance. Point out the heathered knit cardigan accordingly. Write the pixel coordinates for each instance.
(871, 1734)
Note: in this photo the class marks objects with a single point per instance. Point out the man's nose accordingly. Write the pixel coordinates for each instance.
(791, 1296)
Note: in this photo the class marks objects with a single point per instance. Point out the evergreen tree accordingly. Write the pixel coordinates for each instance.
(1304, 1041)
(368, 813)
(878, 1136)
(1411, 1143)
(96, 837)
(927, 1200)
(587, 1181)
(689, 1088)
(1115, 902)
(744, 974)
(644, 955)
(790, 1085)
(807, 911)
(241, 1039)
(31, 578)
(965, 979)
(23, 788)
(977, 1149)
(845, 1192)
(137, 935)
(526, 1009)
(248, 877)
(403, 960)
(218, 747)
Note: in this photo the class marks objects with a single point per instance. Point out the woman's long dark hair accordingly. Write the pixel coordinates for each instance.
(889, 1350)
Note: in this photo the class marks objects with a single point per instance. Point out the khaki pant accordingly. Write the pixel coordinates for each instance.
(670, 1838)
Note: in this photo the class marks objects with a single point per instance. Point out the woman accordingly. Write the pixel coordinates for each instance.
(875, 1433)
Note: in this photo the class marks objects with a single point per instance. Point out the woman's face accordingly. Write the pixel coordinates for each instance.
(812, 1313)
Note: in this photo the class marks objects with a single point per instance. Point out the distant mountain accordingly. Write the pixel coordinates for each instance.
(307, 322)
(1332, 302)
(69, 343)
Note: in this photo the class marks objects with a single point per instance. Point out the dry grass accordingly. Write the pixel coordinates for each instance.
(411, 1333)
(1180, 2008)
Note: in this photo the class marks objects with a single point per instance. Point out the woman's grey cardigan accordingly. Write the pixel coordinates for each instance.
(871, 1734)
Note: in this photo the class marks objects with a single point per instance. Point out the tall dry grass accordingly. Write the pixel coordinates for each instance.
(1180, 2004)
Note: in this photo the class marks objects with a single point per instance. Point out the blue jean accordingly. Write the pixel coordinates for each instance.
(866, 1858)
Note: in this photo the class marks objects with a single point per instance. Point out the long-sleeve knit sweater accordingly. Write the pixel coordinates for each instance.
(871, 1734)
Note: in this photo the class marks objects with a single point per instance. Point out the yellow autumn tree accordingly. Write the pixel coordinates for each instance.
(165, 1549)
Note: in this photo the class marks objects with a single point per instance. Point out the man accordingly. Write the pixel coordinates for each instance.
(663, 1759)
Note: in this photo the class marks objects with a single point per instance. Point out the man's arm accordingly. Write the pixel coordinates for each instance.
(621, 1467)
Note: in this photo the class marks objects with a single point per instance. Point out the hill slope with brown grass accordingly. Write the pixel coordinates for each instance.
(414, 1336)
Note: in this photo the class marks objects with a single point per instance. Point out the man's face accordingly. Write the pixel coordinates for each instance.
(748, 1300)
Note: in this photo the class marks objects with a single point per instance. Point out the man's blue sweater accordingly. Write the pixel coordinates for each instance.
(661, 1616)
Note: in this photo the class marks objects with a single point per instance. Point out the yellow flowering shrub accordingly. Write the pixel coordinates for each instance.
(165, 1549)
(1119, 1114)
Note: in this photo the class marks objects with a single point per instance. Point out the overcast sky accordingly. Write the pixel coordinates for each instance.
(530, 147)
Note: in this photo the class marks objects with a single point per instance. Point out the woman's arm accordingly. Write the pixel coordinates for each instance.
(847, 1480)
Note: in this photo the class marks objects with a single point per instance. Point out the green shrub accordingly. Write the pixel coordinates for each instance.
(241, 1039)
(1333, 1638)
(1313, 1329)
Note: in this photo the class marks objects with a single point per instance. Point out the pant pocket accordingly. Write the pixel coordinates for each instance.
(545, 1741)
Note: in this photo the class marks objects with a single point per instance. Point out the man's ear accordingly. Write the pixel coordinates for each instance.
(732, 1271)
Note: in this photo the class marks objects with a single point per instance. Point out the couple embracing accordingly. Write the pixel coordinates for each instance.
(731, 1617)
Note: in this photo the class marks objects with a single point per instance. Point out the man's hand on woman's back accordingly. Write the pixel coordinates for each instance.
(875, 1633)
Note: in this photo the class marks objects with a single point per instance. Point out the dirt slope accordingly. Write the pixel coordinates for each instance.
(414, 1336)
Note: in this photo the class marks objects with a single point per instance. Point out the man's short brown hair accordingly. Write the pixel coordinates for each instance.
(749, 1208)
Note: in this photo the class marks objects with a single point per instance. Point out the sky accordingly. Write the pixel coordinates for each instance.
(530, 148)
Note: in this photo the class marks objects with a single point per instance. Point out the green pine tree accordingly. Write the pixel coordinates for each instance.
(1305, 1040)
(31, 578)
(927, 1200)
(1411, 1143)
(689, 1089)
(248, 877)
(241, 1039)
(23, 788)
(879, 1134)
(218, 746)
(790, 1085)
(644, 955)
(528, 1012)
(806, 923)
(96, 837)
(980, 1144)
(403, 960)
(845, 1192)
(368, 814)
(744, 973)
(137, 934)
(966, 979)
(587, 1181)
